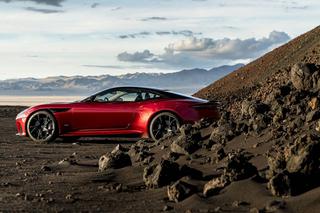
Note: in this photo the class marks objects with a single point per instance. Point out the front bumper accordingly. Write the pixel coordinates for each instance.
(21, 126)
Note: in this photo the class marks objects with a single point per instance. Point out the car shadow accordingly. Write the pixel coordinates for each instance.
(99, 140)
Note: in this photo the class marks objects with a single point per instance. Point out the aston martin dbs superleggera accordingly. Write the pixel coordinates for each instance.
(121, 111)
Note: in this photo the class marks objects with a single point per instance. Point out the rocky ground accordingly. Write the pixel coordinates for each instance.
(263, 155)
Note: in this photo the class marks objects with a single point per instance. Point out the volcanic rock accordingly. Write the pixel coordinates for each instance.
(296, 168)
(252, 108)
(223, 133)
(313, 103)
(218, 153)
(188, 142)
(215, 185)
(280, 185)
(180, 190)
(303, 156)
(238, 167)
(301, 77)
(318, 126)
(313, 115)
(161, 174)
(119, 148)
(116, 159)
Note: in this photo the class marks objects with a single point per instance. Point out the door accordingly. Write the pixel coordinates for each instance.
(109, 110)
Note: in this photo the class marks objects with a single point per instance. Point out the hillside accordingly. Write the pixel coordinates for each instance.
(187, 81)
(305, 48)
(261, 156)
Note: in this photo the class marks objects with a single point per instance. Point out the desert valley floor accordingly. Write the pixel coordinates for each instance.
(60, 176)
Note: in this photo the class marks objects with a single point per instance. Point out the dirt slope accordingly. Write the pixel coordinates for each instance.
(305, 48)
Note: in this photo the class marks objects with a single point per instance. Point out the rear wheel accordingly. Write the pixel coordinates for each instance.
(162, 124)
(42, 127)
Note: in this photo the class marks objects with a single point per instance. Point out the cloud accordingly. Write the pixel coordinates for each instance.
(134, 35)
(94, 5)
(116, 8)
(46, 11)
(154, 18)
(194, 51)
(228, 48)
(296, 7)
(56, 3)
(186, 33)
(143, 57)
(103, 66)
(113, 66)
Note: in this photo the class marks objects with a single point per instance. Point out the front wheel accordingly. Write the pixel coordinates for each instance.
(162, 124)
(42, 127)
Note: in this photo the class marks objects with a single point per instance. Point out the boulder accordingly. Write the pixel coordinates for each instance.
(252, 108)
(312, 116)
(218, 153)
(280, 185)
(300, 76)
(223, 133)
(215, 185)
(119, 148)
(303, 156)
(238, 167)
(278, 115)
(185, 144)
(180, 190)
(313, 103)
(318, 126)
(116, 159)
(296, 168)
(247, 108)
(260, 122)
(305, 77)
(162, 174)
(277, 163)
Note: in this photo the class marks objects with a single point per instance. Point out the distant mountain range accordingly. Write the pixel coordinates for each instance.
(186, 81)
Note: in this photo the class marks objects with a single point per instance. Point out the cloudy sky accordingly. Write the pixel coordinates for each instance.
(40, 38)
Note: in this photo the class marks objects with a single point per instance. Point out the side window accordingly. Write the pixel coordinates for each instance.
(128, 97)
(125, 96)
(149, 95)
(107, 96)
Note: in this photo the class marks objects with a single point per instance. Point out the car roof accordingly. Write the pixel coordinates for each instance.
(143, 88)
(165, 92)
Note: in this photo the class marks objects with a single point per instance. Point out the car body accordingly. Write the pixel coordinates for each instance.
(121, 111)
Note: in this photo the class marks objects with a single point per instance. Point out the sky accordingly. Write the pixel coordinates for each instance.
(40, 38)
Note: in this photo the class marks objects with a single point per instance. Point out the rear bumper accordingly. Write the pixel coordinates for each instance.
(21, 127)
(212, 114)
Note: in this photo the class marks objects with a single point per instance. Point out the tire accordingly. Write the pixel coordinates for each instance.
(162, 124)
(42, 127)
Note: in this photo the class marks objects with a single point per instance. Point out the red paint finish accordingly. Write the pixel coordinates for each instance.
(117, 118)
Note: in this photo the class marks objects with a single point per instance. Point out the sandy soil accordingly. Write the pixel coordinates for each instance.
(31, 179)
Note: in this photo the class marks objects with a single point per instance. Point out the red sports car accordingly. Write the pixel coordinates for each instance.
(122, 111)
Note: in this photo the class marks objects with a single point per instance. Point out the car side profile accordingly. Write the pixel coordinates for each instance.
(121, 111)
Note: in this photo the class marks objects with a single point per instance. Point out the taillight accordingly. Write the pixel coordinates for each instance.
(207, 105)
